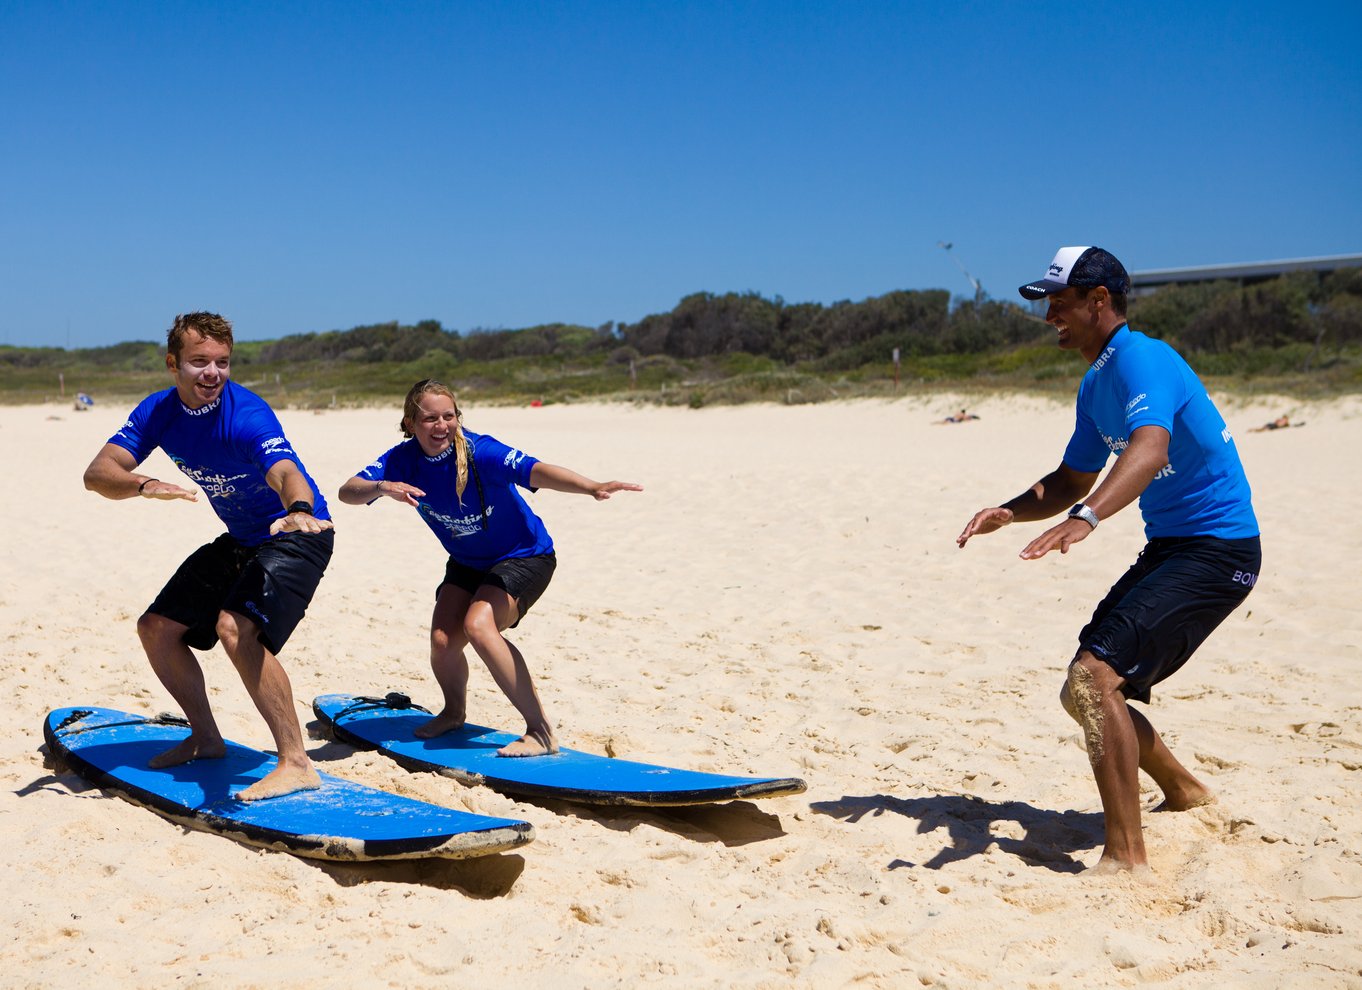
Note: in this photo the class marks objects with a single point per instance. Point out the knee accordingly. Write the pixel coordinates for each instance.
(444, 640)
(1087, 686)
(1066, 699)
(153, 629)
(230, 628)
(480, 623)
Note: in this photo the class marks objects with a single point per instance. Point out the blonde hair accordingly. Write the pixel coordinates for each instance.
(411, 409)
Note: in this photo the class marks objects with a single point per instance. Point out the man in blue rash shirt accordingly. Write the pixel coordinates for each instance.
(251, 586)
(1141, 401)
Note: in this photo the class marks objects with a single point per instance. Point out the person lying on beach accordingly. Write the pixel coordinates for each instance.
(961, 417)
(501, 557)
(1280, 423)
(250, 587)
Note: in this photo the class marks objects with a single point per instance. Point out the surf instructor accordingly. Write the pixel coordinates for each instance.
(248, 588)
(1141, 401)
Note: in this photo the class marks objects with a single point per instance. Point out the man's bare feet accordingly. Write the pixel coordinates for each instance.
(190, 748)
(1109, 866)
(446, 721)
(1186, 799)
(280, 781)
(536, 742)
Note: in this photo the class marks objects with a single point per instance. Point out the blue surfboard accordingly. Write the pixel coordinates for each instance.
(469, 755)
(341, 820)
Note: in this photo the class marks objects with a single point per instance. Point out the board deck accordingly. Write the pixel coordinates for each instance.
(469, 755)
(341, 820)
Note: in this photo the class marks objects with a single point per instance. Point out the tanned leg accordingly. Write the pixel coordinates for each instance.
(491, 611)
(179, 672)
(272, 693)
(1180, 789)
(1114, 753)
(447, 660)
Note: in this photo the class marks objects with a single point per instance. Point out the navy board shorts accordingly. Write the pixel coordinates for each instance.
(1163, 608)
(523, 578)
(271, 583)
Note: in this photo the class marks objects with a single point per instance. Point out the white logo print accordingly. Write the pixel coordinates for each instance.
(513, 458)
(275, 443)
(213, 485)
(458, 525)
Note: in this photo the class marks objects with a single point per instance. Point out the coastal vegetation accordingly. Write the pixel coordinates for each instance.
(1298, 334)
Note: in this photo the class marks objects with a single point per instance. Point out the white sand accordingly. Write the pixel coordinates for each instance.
(786, 598)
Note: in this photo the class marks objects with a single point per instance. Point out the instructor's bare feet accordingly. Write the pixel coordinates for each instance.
(446, 721)
(1109, 866)
(1186, 799)
(189, 748)
(283, 779)
(536, 742)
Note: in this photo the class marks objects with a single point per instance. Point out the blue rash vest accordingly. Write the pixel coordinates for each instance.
(485, 527)
(225, 448)
(1141, 381)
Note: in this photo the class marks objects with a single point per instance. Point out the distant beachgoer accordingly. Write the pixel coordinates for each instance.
(248, 588)
(1140, 400)
(961, 417)
(83, 402)
(501, 557)
(1280, 423)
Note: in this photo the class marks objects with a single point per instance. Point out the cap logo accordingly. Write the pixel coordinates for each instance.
(1056, 269)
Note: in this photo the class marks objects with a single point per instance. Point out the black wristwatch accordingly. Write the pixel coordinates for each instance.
(299, 506)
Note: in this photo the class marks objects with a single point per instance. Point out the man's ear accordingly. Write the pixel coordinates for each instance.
(171, 363)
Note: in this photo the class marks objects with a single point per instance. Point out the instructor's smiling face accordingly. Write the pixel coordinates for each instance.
(202, 369)
(434, 423)
(1075, 319)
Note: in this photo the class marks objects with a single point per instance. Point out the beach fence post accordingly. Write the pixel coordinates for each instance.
(61, 383)
(896, 369)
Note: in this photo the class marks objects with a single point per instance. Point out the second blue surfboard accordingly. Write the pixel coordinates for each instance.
(469, 755)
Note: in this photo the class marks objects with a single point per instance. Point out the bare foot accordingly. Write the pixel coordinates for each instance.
(439, 725)
(190, 748)
(1109, 866)
(280, 781)
(1186, 799)
(536, 742)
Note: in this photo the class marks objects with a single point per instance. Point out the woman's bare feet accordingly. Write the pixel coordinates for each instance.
(446, 721)
(535, 742)
(283, 779)
(189, 748)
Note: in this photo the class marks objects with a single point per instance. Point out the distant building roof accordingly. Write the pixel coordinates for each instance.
(1248, 272)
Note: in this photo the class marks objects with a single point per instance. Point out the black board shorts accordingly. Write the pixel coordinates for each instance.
(1167, 603)
(271, 583)
(523, 578)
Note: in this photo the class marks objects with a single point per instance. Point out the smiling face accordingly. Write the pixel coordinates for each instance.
(200, 370)
(1082, 324)
(434, 423)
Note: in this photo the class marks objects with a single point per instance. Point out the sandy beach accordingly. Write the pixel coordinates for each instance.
(786, 598)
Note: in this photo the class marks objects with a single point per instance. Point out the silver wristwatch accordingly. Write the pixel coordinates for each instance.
(1081, 511)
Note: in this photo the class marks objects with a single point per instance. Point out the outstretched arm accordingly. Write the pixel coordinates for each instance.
(1052, 494)
(1144, 457)
(291, 486)
(560, 479)
(113, 474)
(362, 491)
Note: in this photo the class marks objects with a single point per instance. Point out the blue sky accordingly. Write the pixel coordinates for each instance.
(312, 166)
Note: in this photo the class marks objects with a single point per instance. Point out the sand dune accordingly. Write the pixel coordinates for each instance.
(786, 598)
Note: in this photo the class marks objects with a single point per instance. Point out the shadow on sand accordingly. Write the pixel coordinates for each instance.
(1051, 838)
